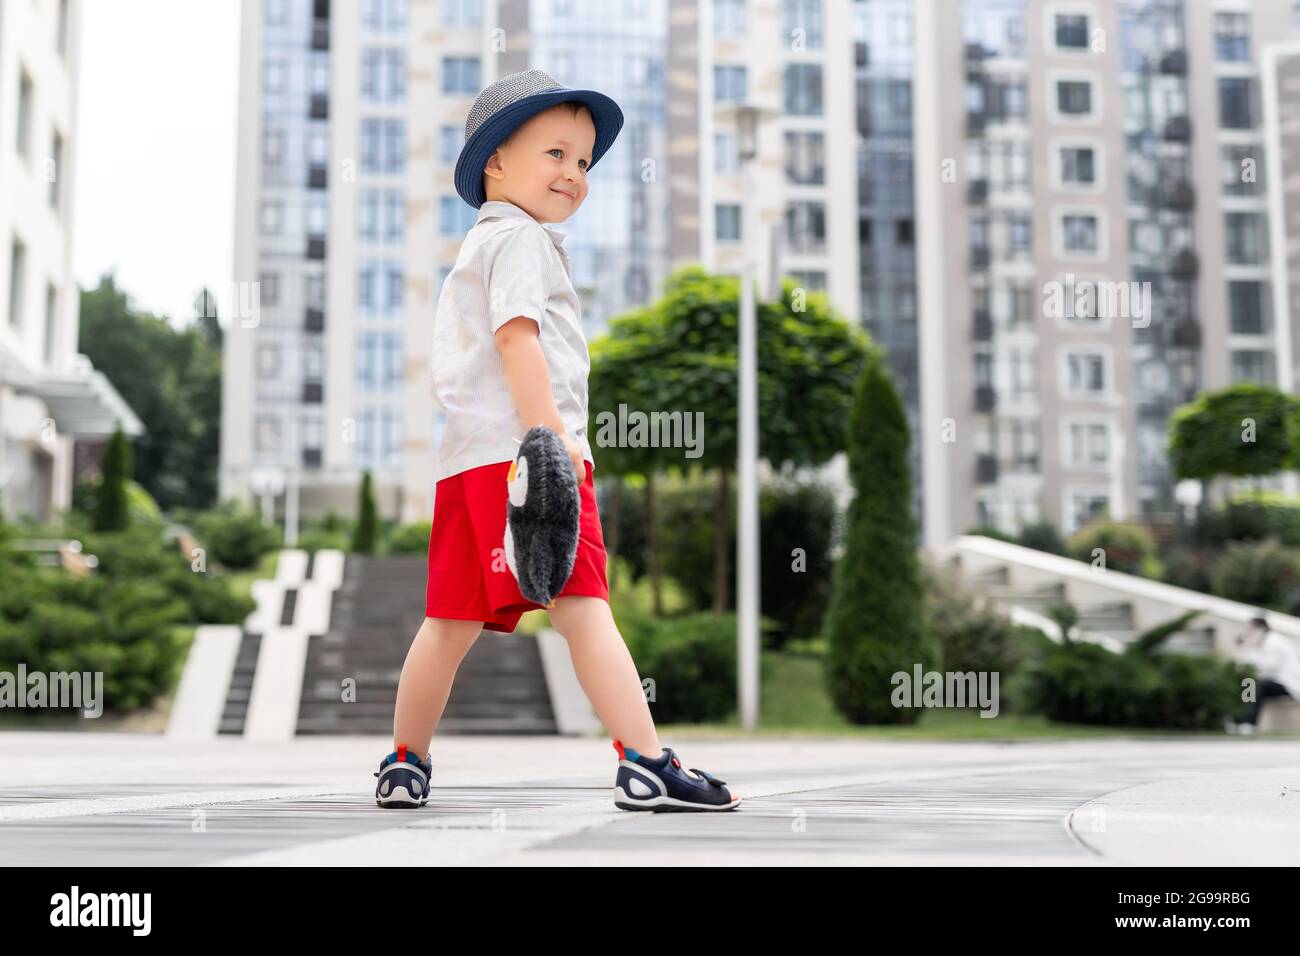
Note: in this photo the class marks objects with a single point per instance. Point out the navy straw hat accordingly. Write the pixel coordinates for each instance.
(510, 102)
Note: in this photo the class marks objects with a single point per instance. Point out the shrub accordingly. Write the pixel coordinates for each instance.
(1189, 568)
(233, 535)
(1127, 547)
(1043, 536)
(1083, 682)
(1260, 573)
(363, 541)
(410, 538)
(111, 512)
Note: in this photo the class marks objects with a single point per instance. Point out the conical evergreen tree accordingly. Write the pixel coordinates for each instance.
(111, 512)
(874, 622)
(363, 539)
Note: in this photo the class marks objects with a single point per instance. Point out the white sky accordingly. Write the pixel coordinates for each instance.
(155, 163)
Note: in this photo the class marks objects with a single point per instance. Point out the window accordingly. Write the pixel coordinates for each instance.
(383, 75)
(805, 157)
(1019, 234)
(51, 323)
(268, 288)
(274, 74)
(805, 226)
(272, 145)
(803, 89)
(450, 140)
(728, 83)
(268, 433)
(381, 215)
(1086, 506)
(56, 169)
(1247, 238)
(1079, 233)
(1072, 31)
(460, 74)
(268, 360)
(1073, 97)
(462, 13)
(1089, 445)
(1253, 365)
(726, 155)
(272, 217)
(384, 16)
(727, 217)
(23, 141)
(1236, 102)
(904, 232)
(1232, 37)
(454, 217)
(383, 145)
(1243, 171)
(729, 18)
(801, 22)
(1086, 373)
(1246, 308)
(1078, 165)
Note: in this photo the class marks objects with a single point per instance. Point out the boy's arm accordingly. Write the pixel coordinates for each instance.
(530, 381)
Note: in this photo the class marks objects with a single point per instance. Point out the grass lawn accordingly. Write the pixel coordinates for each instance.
(241, 582)
(794, 703)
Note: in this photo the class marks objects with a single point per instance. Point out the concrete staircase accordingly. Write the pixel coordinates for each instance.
(500, 688)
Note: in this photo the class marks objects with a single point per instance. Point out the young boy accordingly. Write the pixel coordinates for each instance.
(509, 352)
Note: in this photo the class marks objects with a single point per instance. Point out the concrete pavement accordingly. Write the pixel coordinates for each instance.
(131, 799)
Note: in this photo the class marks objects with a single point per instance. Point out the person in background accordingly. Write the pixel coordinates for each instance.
(1278, 663)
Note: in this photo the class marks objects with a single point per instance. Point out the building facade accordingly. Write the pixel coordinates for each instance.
(50, 396)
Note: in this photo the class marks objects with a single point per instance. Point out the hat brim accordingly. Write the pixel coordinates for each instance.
(606, 115)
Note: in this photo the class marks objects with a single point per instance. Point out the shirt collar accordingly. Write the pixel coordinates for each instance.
(497, 208)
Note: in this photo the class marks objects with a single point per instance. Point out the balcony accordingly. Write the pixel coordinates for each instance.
(314, 320)
(317, 176)
(320, 35)
(977, 192)
(983, 326)
(1178, 129)
(319, 108)
(980, 257)
(1174, 63)
(1178, 194)
(312, 393)
(986, 469)
(315, 247)
(1184, 264)
(985, 398)
(977, 53)
(976, 122)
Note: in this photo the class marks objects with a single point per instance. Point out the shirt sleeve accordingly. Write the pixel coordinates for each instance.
(518, 274)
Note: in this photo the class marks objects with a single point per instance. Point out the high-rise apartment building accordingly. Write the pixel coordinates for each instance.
(1094, 232)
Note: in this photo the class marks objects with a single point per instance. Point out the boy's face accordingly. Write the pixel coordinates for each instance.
(543, 167)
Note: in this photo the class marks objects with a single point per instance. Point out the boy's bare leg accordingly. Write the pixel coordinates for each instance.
(431, 663)
(606, 670)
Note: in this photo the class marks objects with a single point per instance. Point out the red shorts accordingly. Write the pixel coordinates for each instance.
(469, 579)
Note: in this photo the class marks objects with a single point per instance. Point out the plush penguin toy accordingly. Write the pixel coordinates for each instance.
(542, 514)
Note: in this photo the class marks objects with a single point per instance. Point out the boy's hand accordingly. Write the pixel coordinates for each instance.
(575, 456)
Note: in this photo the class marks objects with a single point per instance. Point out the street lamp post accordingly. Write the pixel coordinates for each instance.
(747, 118)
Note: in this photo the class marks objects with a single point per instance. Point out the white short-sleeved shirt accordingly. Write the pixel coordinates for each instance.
(509, 265)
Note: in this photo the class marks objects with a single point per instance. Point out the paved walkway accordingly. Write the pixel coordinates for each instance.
(113, 798)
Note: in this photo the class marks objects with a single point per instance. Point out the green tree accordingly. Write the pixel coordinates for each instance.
(680, 355)
(111, 504)
(1245, 429)
(363, 540)
(171, 378)
(875, 622)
